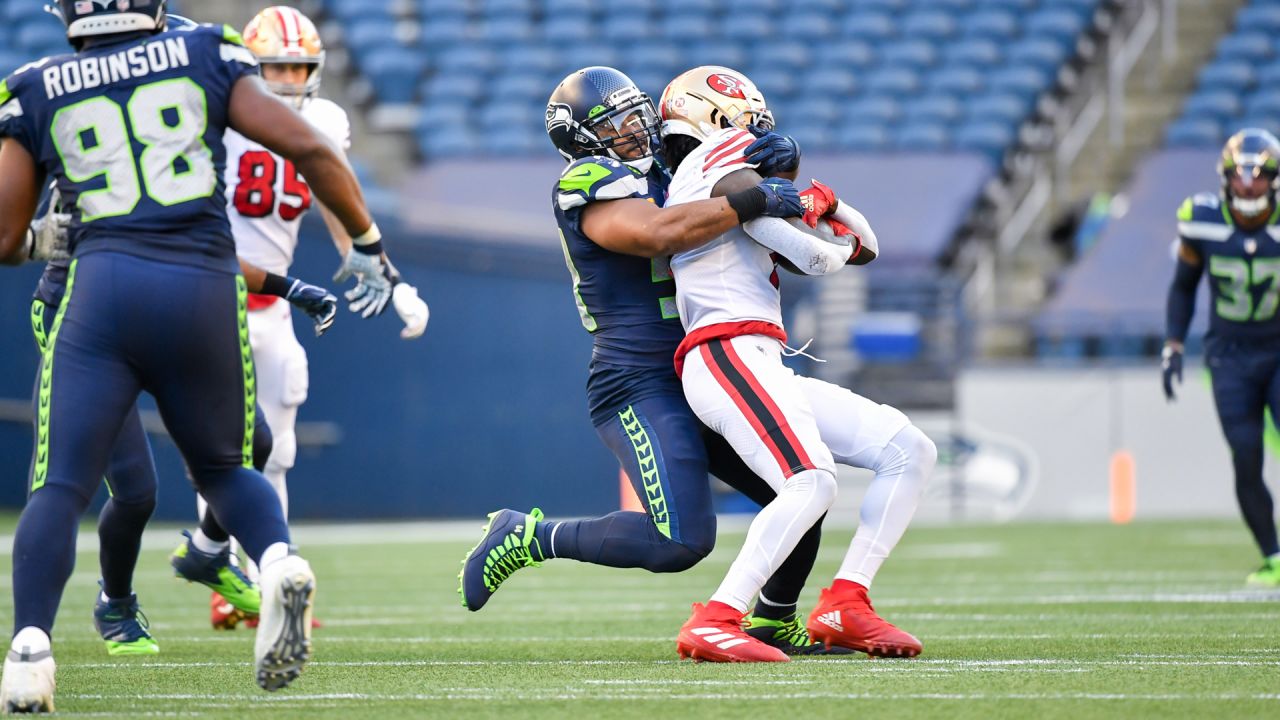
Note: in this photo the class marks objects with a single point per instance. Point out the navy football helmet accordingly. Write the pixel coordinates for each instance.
(88, 18)
(1250, 168)
(600, 111)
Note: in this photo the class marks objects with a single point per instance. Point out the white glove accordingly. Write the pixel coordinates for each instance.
(411, 309)
(47, 239)
(373, 290)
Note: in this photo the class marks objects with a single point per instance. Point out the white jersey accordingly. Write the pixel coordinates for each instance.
(732, 278)
(266, 197)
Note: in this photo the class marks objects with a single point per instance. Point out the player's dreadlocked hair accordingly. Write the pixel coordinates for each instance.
(675, 148)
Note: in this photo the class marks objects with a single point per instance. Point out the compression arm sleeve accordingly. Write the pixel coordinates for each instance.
(846, 215)
(1182, 300)
(809, 254)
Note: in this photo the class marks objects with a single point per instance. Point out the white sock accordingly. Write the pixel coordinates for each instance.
(774, 533)
(31, 640)
(275, 552)
(902, 471)
(201, 542)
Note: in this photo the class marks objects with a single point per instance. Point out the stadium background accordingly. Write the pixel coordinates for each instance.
(1021, 159)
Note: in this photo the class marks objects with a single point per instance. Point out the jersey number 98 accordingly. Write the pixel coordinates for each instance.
(168, 118)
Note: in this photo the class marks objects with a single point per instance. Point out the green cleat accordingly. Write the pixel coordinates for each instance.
(216, 573)
(790, 636)
(508, 545)
(1266, 576)
(123, 627)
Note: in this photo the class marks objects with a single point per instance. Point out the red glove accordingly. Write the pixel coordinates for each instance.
(818, 200)
(840, 230)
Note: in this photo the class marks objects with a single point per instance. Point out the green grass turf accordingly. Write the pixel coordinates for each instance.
(1149, 620)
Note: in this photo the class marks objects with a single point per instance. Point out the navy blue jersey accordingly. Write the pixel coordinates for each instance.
(132, 134)
(1243, 268)
(626, 302)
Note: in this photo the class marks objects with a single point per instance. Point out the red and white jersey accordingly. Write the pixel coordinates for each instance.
(732, 278)
(267, 197)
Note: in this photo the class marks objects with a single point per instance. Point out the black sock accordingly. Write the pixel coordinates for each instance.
(120, 527)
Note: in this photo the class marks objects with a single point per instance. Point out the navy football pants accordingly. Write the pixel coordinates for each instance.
(129, 325)
(667, 454)
(1246, 381)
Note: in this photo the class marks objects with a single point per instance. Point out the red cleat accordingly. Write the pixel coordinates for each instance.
(844, 617)
(222, 614)
(714, 633)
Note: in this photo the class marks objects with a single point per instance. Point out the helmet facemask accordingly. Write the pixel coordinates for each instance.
(296, 94)
(628, 133)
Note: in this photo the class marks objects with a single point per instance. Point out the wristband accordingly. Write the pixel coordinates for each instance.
(370, 242)
(276, 285)
(749, 204)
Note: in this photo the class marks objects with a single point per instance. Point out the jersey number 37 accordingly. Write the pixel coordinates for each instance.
(255, 195)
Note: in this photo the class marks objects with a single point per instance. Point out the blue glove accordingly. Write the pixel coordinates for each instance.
(1171, 367)
(781, 198)
(319, 304)
(772, 153)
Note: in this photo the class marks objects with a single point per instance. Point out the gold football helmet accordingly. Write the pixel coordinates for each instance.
(282, 35)
(705, 100)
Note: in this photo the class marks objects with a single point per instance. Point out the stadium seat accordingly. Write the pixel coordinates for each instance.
(1251, 47)
(850, 54)
(1062, 25)
(814, 136)
(520, 88)
(503, 30)
(447, 88)
(932, 109)
(881, 110)
(888, 6)
(1270, 123)
(776, 84)
(728, 54)
(1228, 75)
(42, 37)
(686, 27)
(560, 8)
(997, 25)
(991, 138)
(1041, 53)
(872, 26)
(541, 58)
(862, 138)
(933, 25)
(1016, 6)
(445, 29)
(369, 33)
(795, 56)
(472, 59)
(956, 80)
(1001, 107)
(1024, 81)
(814, 109)
(1265, 18)
(971, 51)
(10, 61)
(809, 26)
(438, 117)
(747, 26)
(921, 137)
(1218, 105)
(918, 55)
(953, 6)
(627, 28)
(457, 143)
(394, 73)
(655, 55)
(522, 8)
(1263, 103)
(892, 82)
(353, 9)
(580, 55)
(566, 29)
(1268, 76)
(832, 82)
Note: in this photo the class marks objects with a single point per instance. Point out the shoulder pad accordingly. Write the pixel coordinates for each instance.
(598, 178)
(230, 35)
(329, 118)
(1202, 217)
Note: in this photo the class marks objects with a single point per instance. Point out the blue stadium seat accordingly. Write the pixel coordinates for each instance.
(1037, 52)
(524, 89)
(1017, 6)
(729, 54)
(515, 143)
(629, 27)
(822, 109)
(651, 81)
(700, 7)
(915, 54)
(814, 136)
(530, 57)
(1259, 17)
(580, 55)
(932, 25)
(474, 59)
(775, 83)
(998, 25)
(1269, 75)
(445, 29)
(1254, 47)
(757, 6)
(921, 137)
(888, 6)
(1193, 132)
(457, 143)
(747, 26)
(1263, 103)
(832, 81)
(932, 109)
(1270, 123)
(686, 27)
(656, 55)
(953, 6)
(567, 29)
(394, 73)
(560, 8)
(873, 26)
(1027, 81)
(957, 80)
(1002, 107)
(892, 82)
(862, 138)
(1218, 105)
(366, 33)
(352, 9)
(850, 54)
(809, 26)
(881, 110)
(787, 55)
(991, 138)
(451, 88)
(443, 117)
(16, 12)
(509, 7)
(971, 51)
(42, 37)
(826, 7)
(10, 61)
(1062, 25)
(1227, 75)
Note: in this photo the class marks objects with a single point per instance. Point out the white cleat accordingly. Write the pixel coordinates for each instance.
(27, 685)
(283, 644)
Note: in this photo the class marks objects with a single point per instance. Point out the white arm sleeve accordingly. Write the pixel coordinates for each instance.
(809, 254)
(854, 220)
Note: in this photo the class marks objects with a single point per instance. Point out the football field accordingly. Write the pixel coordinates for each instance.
(1046, 620)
